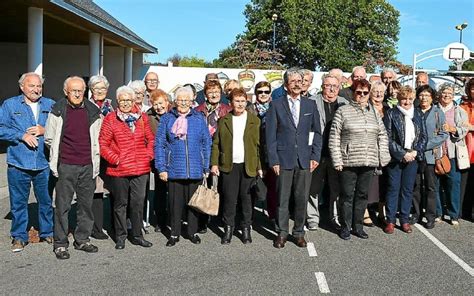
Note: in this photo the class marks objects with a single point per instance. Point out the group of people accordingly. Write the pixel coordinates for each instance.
(343, 150)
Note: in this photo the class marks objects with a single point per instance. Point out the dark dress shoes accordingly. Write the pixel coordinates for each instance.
(141, 242)
(246, 237)
(413, 219)
(360, 234)
(157, 228)
(301, 242)
(195, 239)
(279, 242)
(227, 237)
(120, 244)
(86, 247)
(345, 234)
(430, 224)
(61, 253)
(172, 241)
(99, 235)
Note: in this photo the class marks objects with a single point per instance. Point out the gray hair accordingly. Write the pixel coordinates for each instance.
(184, 90)
(24, 75)
(327, 75)
(96, 79)
(292, 71)
(73, 78)
(378, 84)
(137, 85)
(358, 68)
(445, 86)
(306, 72)
(124, 89)
(386, 70)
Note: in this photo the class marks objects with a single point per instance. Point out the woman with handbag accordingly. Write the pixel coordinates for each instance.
(126, 143)
(235, 153)
(456, 150)
(407, 141)
(426, 178)
(182, 151)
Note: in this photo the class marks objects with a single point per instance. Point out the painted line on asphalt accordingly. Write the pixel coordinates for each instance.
(445, 249)
(311, 250)
(323, 285)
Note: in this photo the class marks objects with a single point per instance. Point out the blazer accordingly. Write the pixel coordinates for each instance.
(221, 154)
(287, 144)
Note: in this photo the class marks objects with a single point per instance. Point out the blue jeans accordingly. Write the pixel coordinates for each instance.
(451, 183)
(19, 184)
(401, 183)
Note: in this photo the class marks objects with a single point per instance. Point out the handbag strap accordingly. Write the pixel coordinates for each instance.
(437, 129)
(214, 182)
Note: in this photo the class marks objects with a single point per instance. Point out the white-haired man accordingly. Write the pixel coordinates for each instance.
(358, 73)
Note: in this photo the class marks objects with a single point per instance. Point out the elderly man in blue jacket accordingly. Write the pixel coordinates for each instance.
(22, 121)
(293, 136)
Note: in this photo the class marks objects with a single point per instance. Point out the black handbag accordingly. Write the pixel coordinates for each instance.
(259, 189)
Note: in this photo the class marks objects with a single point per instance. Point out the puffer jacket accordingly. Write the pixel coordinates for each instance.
(358, 137)
(127, 153)
(394, 122)
(183, 159)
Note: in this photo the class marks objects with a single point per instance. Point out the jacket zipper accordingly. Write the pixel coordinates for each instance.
(187, 156)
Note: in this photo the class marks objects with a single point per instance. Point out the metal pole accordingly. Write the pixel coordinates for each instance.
(274, 34)
(460, 36)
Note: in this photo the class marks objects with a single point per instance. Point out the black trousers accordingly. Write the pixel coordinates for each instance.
(424, 194)
(73, 179)
(180, 192)
(128, 192)
(467, 193)
(161, 201)
(354, 183)
(236, 188)
(297, 182)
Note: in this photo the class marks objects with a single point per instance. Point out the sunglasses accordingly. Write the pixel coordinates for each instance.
(267, 92)
(361, 93)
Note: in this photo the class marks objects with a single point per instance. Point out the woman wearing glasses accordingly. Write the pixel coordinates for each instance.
(182, 151)
(358, 144)
(126, 143)
(406, 131)
(99, 87)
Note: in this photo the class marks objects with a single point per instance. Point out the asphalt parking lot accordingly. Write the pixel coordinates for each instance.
(398, 264)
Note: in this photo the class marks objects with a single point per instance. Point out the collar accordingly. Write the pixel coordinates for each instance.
(298, 98)
(75, 107)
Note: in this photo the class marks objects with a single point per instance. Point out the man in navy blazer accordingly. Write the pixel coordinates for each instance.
(294, 142)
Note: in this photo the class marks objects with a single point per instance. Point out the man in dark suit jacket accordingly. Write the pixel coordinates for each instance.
(293, 136)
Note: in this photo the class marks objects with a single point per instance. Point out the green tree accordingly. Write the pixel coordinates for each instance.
(466, 66)
(186, 61)
(326, 33)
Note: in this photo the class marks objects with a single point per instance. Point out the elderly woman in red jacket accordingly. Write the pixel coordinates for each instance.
(126, 143)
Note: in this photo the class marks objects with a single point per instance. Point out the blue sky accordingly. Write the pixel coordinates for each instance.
(204, 27)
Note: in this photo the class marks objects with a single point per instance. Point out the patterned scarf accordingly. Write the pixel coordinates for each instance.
(180, 126)
(129, 118)
(212, 117)
(262, 109)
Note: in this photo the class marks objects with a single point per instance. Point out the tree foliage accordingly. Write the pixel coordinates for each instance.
(325, 33)
(186, 61)
(466, 66)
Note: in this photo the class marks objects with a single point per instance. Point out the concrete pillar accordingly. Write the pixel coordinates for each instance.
(127, 71)
(35, 40)
(96, 52)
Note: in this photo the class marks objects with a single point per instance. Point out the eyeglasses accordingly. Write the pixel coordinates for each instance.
(152, 81)
(125, 101)
(215, 93)
(139, 93)
(99, 89)
(259, 92)
(447, 93)
(295, 82)
(331, 86)
(361, 93)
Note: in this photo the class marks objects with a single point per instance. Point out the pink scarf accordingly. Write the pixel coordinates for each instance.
(180, 127)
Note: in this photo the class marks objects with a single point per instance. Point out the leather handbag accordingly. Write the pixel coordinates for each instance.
(442, 163)
(259, 189)
(206, 200)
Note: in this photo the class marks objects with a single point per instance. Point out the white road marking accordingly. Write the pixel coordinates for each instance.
(323, 285)
(311, 250)
(445, 249)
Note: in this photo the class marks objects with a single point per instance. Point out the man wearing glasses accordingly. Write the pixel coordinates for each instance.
(324, 175)
(151, 82)
(72, 134)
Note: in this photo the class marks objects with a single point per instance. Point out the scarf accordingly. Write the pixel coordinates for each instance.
(447, 108)
(261, 109)
(409, 126)
(180, 127)
(128, 118)
(392, 102)
(212, 117)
